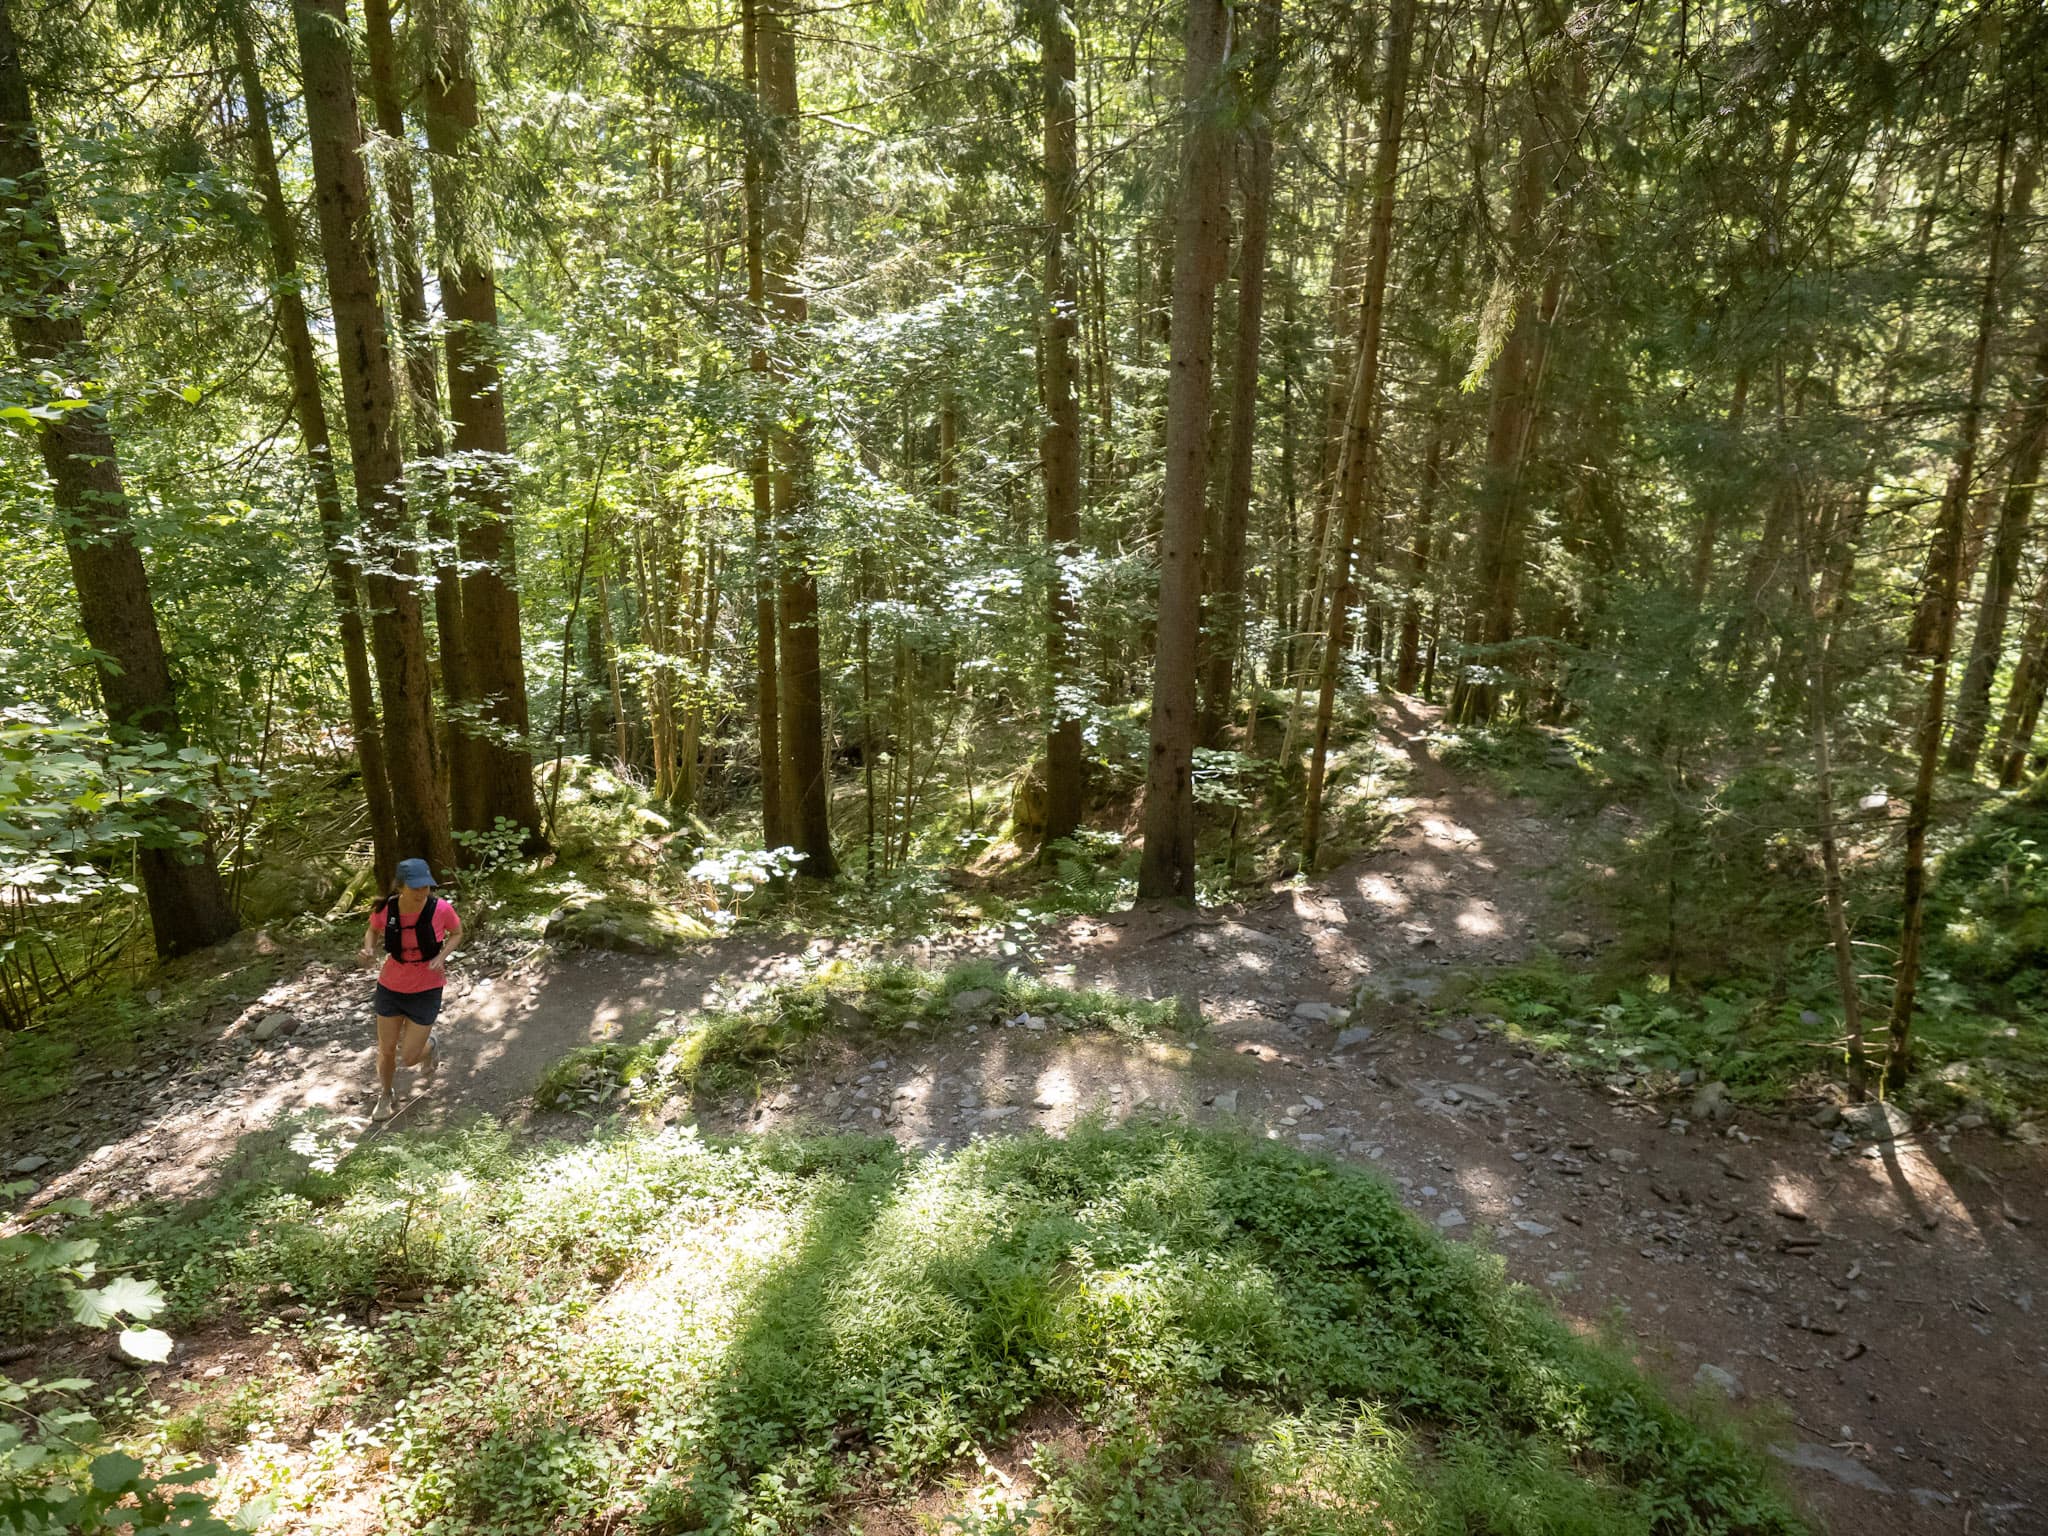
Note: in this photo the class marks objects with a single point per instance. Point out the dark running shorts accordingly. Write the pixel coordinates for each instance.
(420, 1007)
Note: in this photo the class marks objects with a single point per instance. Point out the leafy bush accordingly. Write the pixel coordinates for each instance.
(59, 1472)
(75, 805)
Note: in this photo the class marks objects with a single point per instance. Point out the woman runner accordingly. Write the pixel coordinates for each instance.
(408, 998)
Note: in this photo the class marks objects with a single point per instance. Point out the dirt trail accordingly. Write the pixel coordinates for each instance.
(1875, 1306)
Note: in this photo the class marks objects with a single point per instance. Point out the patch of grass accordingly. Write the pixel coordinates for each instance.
(1519, 760)
(753, 1036)
(217, 1421)
(648, 1329)
(1772, 1050)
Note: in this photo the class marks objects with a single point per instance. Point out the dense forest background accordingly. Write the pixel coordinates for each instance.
(1035, 441)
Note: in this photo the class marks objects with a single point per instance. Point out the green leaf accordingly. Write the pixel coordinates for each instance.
(192, 393)
(151, 1344)
(22, 1458)
(123, 1296)
(115, 1472)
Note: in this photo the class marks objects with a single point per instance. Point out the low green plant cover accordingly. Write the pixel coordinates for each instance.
(752, 1032)
(1772, 1048)
(1182, 1331)
(60, 1470)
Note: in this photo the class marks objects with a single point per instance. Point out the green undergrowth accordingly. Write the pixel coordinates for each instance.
(752, 1035)
(1988, 908)
(1715, 877)
(1156, 1329)
(1772, 1051)
(124, 1020)
(1520, 760)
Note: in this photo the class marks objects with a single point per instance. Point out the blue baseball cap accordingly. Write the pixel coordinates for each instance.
(414, 872)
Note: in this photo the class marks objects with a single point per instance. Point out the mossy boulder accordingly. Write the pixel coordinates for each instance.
(281, 887)
(626, 925)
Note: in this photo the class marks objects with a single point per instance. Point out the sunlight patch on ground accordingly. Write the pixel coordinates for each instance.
(913, 1106)
(1487, 1193)
(1055, 1091)
(686, 1300)
(1905, 1177)
(1427, 873)
(1382, 892)
(1477, 921)
(1440, 829)
(1313, 908)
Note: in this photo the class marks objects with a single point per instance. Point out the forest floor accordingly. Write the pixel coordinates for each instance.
(1871, 1306)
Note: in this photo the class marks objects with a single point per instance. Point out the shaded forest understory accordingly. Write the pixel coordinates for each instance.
(898, 477)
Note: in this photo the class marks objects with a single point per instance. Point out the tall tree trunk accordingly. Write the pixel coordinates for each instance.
(1361, 437)
(1345, 272)
(622, 742)
(1285, 587)
(1059, 447)
(426, 487)
(1709, 531)
(2029, 687)
(1510, 435)
(1923, 639)
(370, 409)
(342, 577)
(1822, 631)
(188, 904)
(1934, 637)
(1166, 867)
(1408, 655)
(1102, 456)
(949, 448)
(704, 622)
(1223, 636)
(496, 752)
(1987, 648)
(808, 787)
(775, 828)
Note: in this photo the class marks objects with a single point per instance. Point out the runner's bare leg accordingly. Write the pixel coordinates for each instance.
(387, 1048)
(418, 1038)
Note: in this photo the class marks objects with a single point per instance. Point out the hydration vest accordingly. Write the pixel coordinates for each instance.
(422, 932)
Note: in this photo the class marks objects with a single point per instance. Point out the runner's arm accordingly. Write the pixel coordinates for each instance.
(368, 953)
(448, 944)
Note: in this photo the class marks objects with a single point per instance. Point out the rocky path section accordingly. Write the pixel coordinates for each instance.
(1873, 1300)
(1877, 1306)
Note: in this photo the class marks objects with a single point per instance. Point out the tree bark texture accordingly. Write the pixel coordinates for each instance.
(1059, 447)
(188, 903)
(2016, 507)
(1934, 636)
(309, 406)
(1166, 868)
(426, 488)
(370, 410)
(775, 830)
(1359, 456)
(1223, 635)
(807, 787)
(496, 754)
